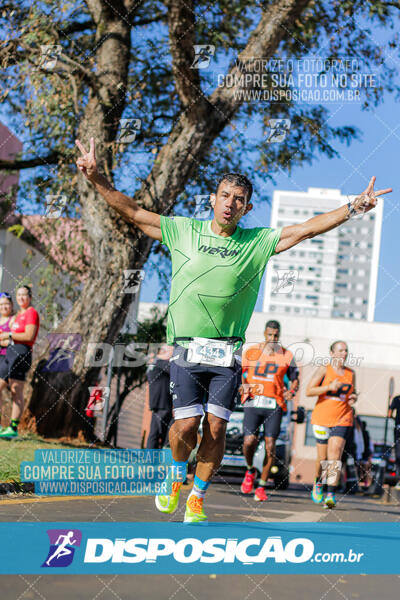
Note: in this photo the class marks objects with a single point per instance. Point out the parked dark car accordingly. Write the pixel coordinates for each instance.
(234, 462)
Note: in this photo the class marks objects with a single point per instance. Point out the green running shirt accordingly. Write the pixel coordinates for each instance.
(215, 279)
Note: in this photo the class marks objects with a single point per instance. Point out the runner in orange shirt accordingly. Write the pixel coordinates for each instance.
(332, 419)
(264, 396)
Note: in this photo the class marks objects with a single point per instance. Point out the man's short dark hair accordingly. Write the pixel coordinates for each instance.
(238, 180)
(273, 325)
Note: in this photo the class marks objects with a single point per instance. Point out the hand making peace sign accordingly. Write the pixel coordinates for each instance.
(367, 200)
(87, 162)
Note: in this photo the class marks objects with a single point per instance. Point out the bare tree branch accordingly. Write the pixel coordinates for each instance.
(181, 24)
(11, 55)
(77, 27)
(29, 163)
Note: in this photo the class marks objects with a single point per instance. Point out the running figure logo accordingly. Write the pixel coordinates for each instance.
(278, 130)
(132, 280)
(62, 547)
(286, 279)
(202, 56)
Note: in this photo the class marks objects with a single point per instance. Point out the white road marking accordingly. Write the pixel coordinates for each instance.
(305, 516)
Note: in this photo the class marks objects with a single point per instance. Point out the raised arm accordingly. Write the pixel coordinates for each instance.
(146, 220)
(294, 234)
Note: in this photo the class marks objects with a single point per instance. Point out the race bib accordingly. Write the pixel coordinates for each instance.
(320, 432)
(210, 352)
(262, 402)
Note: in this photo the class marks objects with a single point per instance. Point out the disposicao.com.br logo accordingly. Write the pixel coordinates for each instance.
(188, 550)
(62, 547)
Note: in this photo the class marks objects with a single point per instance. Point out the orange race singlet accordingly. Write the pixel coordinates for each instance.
(267, 371)
(332, 408)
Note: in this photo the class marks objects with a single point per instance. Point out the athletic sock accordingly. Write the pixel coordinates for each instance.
(331, 489)
(177, 472)
(14, 424)
(199, 487)
(262, 483)
(250, 469)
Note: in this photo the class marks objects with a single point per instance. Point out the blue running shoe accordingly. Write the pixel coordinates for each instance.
(317, 495)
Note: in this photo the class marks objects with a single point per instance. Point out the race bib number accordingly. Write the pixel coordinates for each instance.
(210, 352)
(320, 432)
(262, 402)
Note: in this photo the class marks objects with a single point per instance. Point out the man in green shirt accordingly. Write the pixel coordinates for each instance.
(217, 268)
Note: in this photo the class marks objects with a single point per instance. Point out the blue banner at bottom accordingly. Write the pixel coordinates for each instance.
(51, 548)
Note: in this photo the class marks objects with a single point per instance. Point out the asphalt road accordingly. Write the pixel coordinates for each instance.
(224, 503)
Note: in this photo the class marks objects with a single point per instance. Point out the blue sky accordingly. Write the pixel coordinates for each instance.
(376, 153)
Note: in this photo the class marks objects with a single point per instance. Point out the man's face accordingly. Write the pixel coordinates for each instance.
(229, 204)
(271, 335)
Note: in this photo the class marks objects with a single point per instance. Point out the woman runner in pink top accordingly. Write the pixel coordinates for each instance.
(6, 319)
(18, 358)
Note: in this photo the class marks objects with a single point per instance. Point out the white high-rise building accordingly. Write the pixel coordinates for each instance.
(331, 275)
